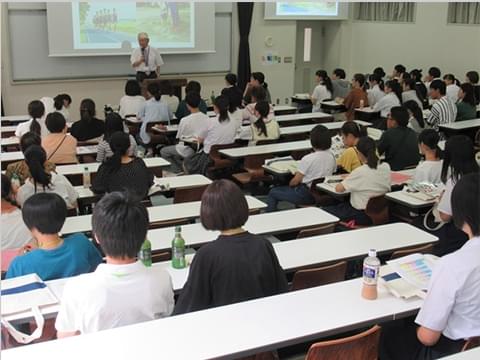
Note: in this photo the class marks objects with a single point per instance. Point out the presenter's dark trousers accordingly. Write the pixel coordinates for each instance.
(143, 75)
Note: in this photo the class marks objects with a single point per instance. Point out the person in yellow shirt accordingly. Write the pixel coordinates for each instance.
(351, 133)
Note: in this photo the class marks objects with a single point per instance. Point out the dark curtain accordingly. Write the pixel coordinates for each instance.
(245, 11)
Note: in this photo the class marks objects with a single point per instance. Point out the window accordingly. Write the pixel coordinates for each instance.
(384, 11)
(464, 13)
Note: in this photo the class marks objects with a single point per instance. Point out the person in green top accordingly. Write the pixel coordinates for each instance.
(399, 142)
(182, 109)
(466, 108)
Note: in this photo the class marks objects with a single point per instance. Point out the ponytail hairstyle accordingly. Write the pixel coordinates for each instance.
(412, 85)
(379, 72)
(325, 80)
(260, 77)
(87, 110)
(59, 101)
(366, 146)
(222, 105)
(395, 86)
(430, 139)
(119, 143)
(28, 139)
(469, 92)
(36, 110)
(153, 89)
(416, 74)
(231, 79)
(459, 158)
(113, 123)
(451, 77)
(352, 128)
(234, 99)
(263, 108)
(417, 113)
(35, 157)
(378, 79)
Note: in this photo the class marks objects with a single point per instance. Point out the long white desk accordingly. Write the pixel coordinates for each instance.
(267, 223)
(301, 253)
(461, 125)
(473, 354)
(160, 184)
(290, 130)
(406, 199)
(253, 326)
(188, 210)
(302, 116)
(77, 169)
(267, 149)
(15, 118)
(18, 155)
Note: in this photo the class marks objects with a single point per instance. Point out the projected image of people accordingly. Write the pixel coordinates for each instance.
(99, 25)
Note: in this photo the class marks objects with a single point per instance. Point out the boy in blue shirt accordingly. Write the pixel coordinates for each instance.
(56, 257)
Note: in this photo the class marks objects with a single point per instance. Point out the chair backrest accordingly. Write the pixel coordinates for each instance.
(308, 278)
(316, 231)
(266, 142)
(471, 343)
(426, 249)
(215, 154)
(363, 346)
(162, 224)
(377, 210)
(163, 256)
(256, 162)
(189, 194)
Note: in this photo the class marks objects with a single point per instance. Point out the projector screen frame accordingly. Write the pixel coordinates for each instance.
(270, 13)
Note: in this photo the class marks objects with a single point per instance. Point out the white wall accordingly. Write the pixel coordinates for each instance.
(361, 46)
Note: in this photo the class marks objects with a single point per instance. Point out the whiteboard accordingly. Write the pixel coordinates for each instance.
(30, 59)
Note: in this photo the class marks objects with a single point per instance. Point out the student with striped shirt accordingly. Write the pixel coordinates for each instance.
(444, 110)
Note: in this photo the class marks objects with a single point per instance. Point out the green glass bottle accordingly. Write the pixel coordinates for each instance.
(145, 253)
(178, 250)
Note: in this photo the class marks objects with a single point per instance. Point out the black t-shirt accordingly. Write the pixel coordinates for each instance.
(229, 270)
(87, 130)
(400, 146)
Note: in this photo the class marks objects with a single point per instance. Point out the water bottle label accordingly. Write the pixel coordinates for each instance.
(370, 274)
(178, 256)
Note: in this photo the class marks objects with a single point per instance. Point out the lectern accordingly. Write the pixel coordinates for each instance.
(176, 85)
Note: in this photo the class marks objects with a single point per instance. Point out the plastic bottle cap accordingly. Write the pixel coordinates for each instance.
(372, 253)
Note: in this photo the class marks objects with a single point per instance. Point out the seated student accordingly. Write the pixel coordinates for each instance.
(62, 103)
(264, 128)
(61, 147)
(235, 98)
(36, 110)
(450, 313)
(20, 169)
(322, 91)
(182, 109)
(410, 92)
(132, 101)
(472, 78)
(120, 172)
(194, 125)
(466, 107)
(14, 232)
(379, 72)
(315, 165)
(365, 182)
(416, 122)
(232, 91)
(123, 291)
(88, 127)
(257, 79)
(341, 87)
(222, 130)
(452, 87)
(257, 94)
(375, 92)
(236, 267)
(166, 89)
(41, 180)
(44, 215)
(430, 169)
(349, 160)
(398, 71)
(393, 97)
(113, 123)
(443, 110)
(422, 91)
(434, 73)
(154, 110)
(399, 142)
(355, 96)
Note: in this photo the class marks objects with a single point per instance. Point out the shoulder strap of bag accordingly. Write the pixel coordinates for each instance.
(58, 147)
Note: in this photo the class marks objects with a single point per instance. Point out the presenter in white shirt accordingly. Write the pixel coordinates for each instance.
(145, 59)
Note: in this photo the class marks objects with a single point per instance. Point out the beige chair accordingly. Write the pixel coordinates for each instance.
(316, 231)
(426, 249)
(363, 346)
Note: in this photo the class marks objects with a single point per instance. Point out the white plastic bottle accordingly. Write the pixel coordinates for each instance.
(371, 269)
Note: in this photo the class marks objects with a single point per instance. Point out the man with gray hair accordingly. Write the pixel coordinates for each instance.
(145, 59)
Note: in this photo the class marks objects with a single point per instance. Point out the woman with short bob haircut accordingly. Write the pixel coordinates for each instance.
(238, 266)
